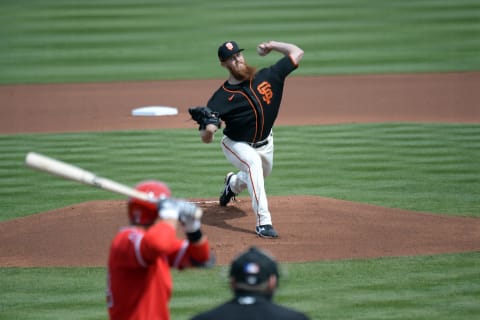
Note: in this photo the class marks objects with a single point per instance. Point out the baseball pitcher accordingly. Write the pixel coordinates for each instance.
(248, 103)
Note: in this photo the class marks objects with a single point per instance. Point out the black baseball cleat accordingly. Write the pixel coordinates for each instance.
(266, 231)
(227, 193)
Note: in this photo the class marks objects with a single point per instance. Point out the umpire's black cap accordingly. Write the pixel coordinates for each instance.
(253, 267)
(228, 49)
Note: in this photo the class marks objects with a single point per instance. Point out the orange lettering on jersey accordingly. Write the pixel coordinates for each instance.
(265, 90)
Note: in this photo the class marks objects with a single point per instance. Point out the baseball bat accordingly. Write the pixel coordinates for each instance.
(71, 172)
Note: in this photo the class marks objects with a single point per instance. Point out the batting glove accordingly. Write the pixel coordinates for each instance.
(188, 213)
(168, 209)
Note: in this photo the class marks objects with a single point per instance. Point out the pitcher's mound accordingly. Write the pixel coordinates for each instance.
(311, 228)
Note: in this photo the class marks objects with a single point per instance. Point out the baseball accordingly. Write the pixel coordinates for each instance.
(261, 50)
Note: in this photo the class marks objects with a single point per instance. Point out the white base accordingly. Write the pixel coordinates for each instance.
(155, 111)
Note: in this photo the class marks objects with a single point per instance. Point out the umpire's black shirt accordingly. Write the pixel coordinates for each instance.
(251, 308)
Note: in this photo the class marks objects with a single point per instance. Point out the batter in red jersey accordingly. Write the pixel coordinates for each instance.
(248, 103)
(141, 255)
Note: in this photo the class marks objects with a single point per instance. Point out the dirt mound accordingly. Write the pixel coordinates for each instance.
(311, 229)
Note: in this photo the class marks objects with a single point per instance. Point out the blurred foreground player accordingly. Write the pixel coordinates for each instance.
(254, 279)
(141, 255)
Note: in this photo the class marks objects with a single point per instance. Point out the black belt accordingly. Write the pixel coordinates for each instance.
(259, 144)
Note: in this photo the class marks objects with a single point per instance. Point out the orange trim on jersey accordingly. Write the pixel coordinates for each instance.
(251, 105)
(263, 115)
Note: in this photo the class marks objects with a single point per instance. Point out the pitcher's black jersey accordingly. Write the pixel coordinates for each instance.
(250, 108)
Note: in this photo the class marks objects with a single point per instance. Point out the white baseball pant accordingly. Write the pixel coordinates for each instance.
(254, 164)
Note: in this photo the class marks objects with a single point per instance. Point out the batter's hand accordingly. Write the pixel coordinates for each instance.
(189, 216)
(168, 209)
(178, 209)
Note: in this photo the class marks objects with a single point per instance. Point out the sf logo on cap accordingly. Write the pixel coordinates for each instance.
(229, 46)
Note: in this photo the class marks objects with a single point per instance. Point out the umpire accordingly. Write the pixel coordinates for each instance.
(253, 278)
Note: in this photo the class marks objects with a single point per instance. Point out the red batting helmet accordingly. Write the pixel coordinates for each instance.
(143, 212)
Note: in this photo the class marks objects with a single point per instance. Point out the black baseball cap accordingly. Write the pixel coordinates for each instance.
(253, 267)
(228, 49)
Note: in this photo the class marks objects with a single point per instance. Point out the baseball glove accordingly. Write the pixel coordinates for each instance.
(205, 116)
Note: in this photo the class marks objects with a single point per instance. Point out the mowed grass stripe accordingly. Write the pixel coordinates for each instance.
(425, 167)
(372, 163)
(443, 286)
(177, 157)
(61, 41)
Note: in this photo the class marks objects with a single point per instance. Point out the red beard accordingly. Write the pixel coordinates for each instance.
(244, 72)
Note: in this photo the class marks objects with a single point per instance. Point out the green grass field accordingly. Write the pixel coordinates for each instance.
(115, 40)
(424, 167)
(425, 287)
